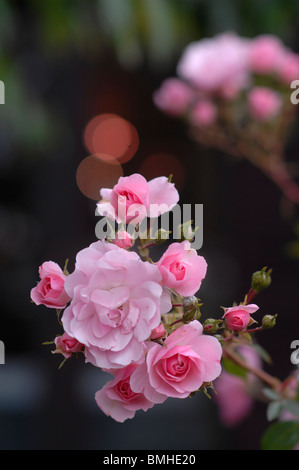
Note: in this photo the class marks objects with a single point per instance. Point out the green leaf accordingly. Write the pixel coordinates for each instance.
(273, 410)
(271, 394)
(281, 436)
(291, 406)
(233, 368)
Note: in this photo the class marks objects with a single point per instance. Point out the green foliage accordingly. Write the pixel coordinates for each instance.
(281, 436)
(233, 368)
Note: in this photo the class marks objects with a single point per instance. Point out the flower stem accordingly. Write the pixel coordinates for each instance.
(250, 296)
(176, 321)
(273, 382)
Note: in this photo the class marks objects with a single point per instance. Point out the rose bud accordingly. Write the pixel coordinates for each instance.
(123, 239)
(238, 318)
(50, 290)
(66, 345)
(158, 332)
(268, 322)
(261, 279)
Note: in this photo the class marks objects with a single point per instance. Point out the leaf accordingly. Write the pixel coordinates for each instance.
(273, 410)
(233, 368)
(291, 406)
(271, 394)
(281, 436)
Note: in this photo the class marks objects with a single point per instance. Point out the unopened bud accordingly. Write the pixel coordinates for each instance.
(123, 239)
(211, 325)
(158, 332)
(191, 309)
(161, 235)
(186, 232)
(261, 279)
(268, 322)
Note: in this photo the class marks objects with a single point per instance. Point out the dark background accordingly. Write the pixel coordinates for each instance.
(62, 63)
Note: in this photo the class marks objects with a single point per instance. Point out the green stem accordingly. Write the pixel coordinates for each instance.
(273, 382)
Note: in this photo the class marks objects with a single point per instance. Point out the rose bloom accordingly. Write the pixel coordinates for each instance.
(264, 103)
(133, 198)
(116, 398)
(203, 114)
(179, 367)
(182, 268)
(173, 97)
(214, 63)
(50, 290)
(238, 318)
(123, 239)
(66, 345)
(288, 68)
(265, 53)
(234, 394)
(117, 300)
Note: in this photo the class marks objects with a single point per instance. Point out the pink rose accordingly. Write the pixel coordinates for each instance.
(123, 239)
(179, 367)
(117, 302)
(133, 198)
(264, 103)
(66, 345)
(238, 318)
(212, 64)
(265, 53)
(182, 268)
(234, 394)
(203, 114)
(116, 398)
(50, 290)
(173, 97)
(288, 68)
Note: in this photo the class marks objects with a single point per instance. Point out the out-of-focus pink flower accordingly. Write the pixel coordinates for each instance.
(234, 403)
(133, 198)
(203, 114)
(66, 345)
(158, 332)
(233, 393)
(238, 318)
(116, 398)
(179, 367)
(117, 300)
(50, 290)
(173, 97)
(264, 103)
(182, 268)
(211, 64)
(123, 239)
(288, 68)
(266, 51)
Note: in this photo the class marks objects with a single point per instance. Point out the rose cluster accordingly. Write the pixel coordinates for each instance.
(120, 310)
(225, 69)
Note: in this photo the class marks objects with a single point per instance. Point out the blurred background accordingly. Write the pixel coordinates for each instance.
(63, 63)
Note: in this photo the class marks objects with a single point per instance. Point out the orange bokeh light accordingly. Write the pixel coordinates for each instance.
(95, 172)
(110, 134)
